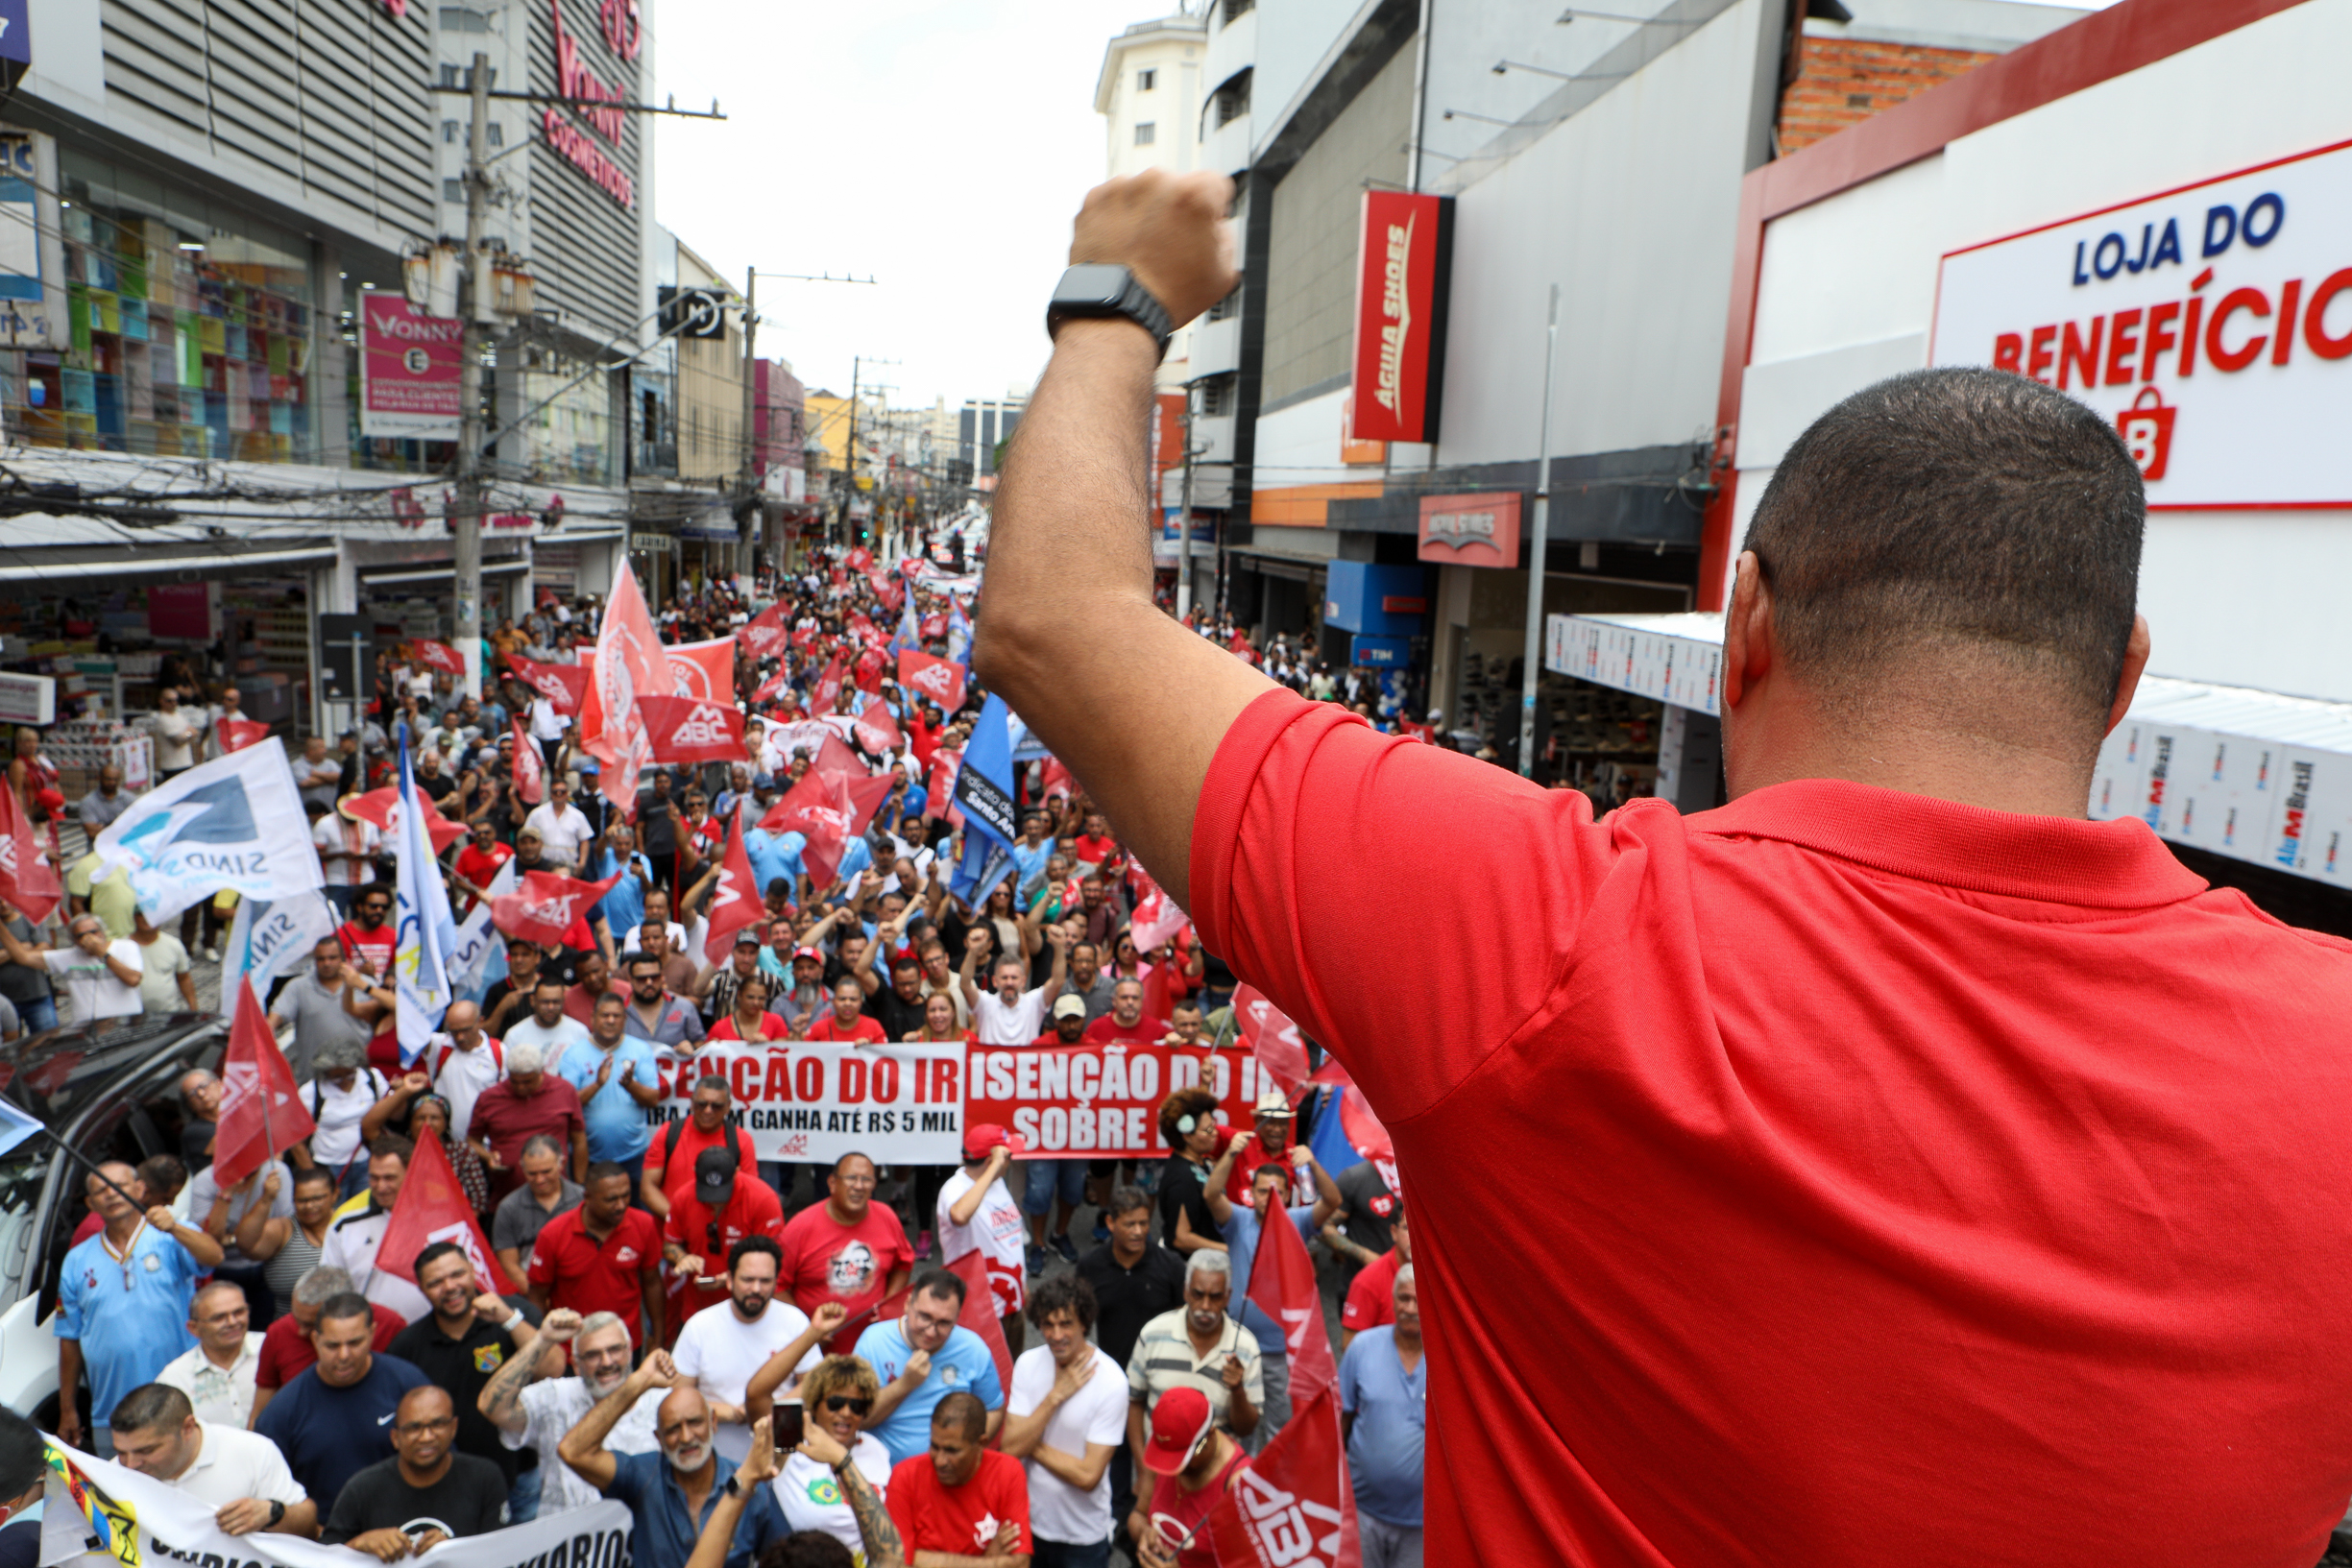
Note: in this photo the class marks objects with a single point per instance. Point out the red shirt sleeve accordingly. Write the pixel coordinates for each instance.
(268, 1370)
(1322, 850)
(388, 1326)
(1011, 1505)
(1363, 1309)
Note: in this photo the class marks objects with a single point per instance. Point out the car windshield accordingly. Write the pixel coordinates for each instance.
(55, 1075)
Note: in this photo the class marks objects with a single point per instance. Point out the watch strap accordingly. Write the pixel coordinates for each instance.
(1136, 303)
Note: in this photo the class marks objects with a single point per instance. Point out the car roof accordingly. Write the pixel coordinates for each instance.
(59, 1072)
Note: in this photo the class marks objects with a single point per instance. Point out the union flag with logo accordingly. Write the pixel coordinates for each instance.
(687, 730)
(941, 680)
(734, 903)
(544, 907)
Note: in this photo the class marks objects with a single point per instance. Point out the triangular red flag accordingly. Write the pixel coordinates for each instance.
(734, 903)
(877, 727)
(1158, 917)
(431, 1208)
(772, 688)
(544, 907)
(764, 632)
(530, 767)
(1271, 1038)
(1294, 1505)
(834, 756)
(26, 880)
(564, 686)
(377, 806)
(1282, 1284)
(939, 791)
(820, 811)
(865, 798)
(941, 680)
(629, 666)
(237, 733)
(439, 656)
(870, 666)
(261, 1110)
(827, 696)
(1159, 998)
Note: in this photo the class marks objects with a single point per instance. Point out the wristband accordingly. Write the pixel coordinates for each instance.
(734, 1486)
(512, 1323)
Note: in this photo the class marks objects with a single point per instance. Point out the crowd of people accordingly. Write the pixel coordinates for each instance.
(745, 1351)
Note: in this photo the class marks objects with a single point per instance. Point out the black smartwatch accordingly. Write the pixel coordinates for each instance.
(277, 1512)
(734, 1486)
(1096, 290)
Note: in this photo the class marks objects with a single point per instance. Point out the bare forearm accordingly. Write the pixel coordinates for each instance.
(501, 1399)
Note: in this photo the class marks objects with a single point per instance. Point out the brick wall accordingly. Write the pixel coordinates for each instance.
(1841, 80)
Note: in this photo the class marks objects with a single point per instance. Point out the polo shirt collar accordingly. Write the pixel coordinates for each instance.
(2119, 864)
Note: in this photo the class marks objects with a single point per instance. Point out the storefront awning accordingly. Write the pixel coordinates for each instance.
(129, 563)
(440, 574)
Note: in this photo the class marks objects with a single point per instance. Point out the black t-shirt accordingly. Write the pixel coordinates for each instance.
(657, 827)
(469, 1498)
(440, 785)
(899, 1017)
(1369, 1209)
(463, 1369)
(1180, 1188)
(1125, 1299)
(196, 1143)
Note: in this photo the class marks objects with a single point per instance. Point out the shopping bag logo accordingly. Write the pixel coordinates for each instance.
(2146, 427)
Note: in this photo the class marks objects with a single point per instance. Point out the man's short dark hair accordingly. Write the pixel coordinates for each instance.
(349, 1304)
(1949, 510)
(715, 1080)
(147, 1407)
(938, 1282)
(24, 1462)
(1125, 1200)
(392, 1145)
(961, 1411)
(434, 1252)
(1271, 1167)
(1062, 1293)
(313, 1176)
(643, 960)
(751, 1244)
(541, 983)
(606, 1170)
(808, 1549)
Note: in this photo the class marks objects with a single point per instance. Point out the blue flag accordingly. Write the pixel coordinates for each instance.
(15, 1126)
(983, 793)
(959, 633)
(909, 634)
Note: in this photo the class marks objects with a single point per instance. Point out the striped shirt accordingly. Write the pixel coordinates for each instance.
(1164, 1360)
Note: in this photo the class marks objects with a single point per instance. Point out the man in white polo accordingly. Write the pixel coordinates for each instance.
(239, 1475)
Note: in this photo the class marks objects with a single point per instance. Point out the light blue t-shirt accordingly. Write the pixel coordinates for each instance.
(623, 905)
(131, 1325)
(1031, 861)
(1241, 1234)
(617, 1125)
(962, 1362)
(1392, 1412)
(773, 855)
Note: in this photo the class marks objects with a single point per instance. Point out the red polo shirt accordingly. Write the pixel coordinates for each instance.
(504, 1120)
(868, 1029)
(754, 1210)
(1107, 1030)
(287, 1353)
(1899, 1161)
(591, 1276)
(1372, 1300)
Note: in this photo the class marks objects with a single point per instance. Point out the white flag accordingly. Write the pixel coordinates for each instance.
(427, 930)
(234, 823)
(478, 941)
(269, 939)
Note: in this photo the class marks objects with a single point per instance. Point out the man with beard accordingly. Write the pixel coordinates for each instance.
(718, 1352)
(425, 1494)
(670, 1493)
(472, 1333)
(368, 941)
(535, 1415)
(723, 1207)
(846, 1249)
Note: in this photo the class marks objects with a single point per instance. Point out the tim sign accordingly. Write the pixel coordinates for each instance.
(1404, 264)
(2213, 325)
(1472, 530)
(409, 365)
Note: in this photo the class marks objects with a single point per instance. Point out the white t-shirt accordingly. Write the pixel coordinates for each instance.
(351, 1245)
(1018, 1024)
(552, 1042)
(91, 986)
(338, 1113)
(1058, 1510)
(331, 834)
(175, 733)
(234, 1464)
(677, 940)
(554, 1407)
(997, 1233)
(561, 833)
(722, 1352)
(811, 1498)
(461, 1078)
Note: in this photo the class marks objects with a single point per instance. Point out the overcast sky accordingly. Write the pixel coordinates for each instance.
(937, 146)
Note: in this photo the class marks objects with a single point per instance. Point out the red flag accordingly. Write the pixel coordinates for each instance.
(827, 697)
(870, 666)
(1158, 918)
(865, 798)
(690, 730)
(704, 671)
(1271, 1038)
(544, 907)
(564, 686)
(26, 879)
(1282, 1282)
(629, 666)
(939, 678)
(834, 756)
(439, 656)
(888, 589)
(237, 733)
(772, 688)
(1057, 783)
(530, 767)
(860, 558)
(761, 635)
(876, 730)
(820, 811)
(1159, 994)
(734, 903)
(261, 1110)
(1293, 1508)
(933, 626)
(431, 1208)
(938, 794)
(381, 807)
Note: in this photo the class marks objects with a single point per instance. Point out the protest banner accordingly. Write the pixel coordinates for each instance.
(816, 1100)
(1102, 1100)
(99, 1514)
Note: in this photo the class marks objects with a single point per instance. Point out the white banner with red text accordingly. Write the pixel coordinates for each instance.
(816, 1101)
(1102, 1100)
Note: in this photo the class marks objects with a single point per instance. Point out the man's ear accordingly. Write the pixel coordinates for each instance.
(1747, 630)
(2135, 664)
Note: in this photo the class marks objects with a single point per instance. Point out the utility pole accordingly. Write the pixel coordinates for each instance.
(1184, 516)
(753, 518)
(474, 308)
(849, 458)
(1532, 667)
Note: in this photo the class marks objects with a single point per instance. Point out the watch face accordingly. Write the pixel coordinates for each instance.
(1096, 283)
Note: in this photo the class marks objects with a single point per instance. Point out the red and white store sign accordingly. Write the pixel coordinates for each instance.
(1406, 246)
(2213, 324)
(1472, 530)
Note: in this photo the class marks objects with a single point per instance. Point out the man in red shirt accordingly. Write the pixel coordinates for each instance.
(1371, 1298)
(1124, 1021)
(848, 1020)
(847, 1249)
(725, 1204)
(527, 1102)
(595, 981)
(709, 1123)
(1194, 1463)
(478, 863)
(1269, 1143)
(603, 1256)
(1862, 1141)
(962, 1500)
(369, 942)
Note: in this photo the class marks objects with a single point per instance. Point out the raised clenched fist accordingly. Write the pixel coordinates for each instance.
(1170, 230)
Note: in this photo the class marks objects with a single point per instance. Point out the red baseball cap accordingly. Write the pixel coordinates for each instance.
(1180, 1424)
(799, 953)
(983, 1137)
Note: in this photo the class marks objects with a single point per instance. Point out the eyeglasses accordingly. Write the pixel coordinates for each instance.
(837, 1403)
